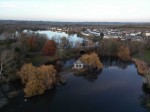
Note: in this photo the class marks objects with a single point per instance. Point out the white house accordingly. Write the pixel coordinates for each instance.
(78, 65)
(147, 34)
(86, 34)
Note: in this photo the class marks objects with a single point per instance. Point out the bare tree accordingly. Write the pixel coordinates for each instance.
(6, 63)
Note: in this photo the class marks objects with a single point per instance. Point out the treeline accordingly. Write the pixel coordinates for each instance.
(12, 28)
(118, 48)
(14, 52)
(14, 56)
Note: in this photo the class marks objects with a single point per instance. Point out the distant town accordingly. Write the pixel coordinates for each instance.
(123, 31)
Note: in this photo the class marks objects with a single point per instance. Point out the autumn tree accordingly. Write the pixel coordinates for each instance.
(124, 53)
(49, 48)
(34, 87)
(37, 79)
(32, 43)
(27, 72)
(92, 60)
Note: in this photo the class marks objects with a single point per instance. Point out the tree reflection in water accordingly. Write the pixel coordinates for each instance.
(46, 98)
(30, 104)
(107, 62)
(113, 61)
(145, 99)
(90, 76)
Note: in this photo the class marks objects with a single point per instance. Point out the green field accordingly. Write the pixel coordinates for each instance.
(41, 59)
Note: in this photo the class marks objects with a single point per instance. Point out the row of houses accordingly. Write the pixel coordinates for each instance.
(116, 33)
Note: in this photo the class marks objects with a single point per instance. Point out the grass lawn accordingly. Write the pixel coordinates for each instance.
(145, 56)
(39, 59)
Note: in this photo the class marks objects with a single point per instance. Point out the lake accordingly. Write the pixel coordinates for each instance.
(57, 35)
(117, 88)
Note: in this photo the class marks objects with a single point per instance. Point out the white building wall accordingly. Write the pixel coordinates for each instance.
(147, 34)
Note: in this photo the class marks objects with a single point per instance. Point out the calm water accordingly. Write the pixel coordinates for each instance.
(118, 88)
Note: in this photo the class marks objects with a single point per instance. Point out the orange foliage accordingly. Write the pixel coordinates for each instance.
(32, 43)
(124, 53)
(27, 72)
(92, 60)
(142, 67)
(34, 87)
(49, 48)
(37, 79)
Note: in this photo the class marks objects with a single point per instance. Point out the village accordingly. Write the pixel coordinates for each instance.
(123, 34)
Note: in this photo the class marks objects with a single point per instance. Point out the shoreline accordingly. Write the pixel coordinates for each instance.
(141, 66)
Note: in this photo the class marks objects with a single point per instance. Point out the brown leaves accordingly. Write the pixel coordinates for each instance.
(32, 44)
(142, 67)
(124, 53)
(49, 48)
(92, 60)
(37, 79)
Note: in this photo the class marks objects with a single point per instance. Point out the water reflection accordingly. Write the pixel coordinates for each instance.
(145, 99)
(110, 63)
(114, 62)
(3, 99)
(68, 63)
(38, 103)
(117, 88)
(45, 98)
(90, 76)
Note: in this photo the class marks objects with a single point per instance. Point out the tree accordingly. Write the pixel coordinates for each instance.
(124, 53)
(34, 87)
(64, 43)
(108, 47)
(92, 60)
(102, 35)
(6, 63)
(37, 79)
(32, 43)
(48, 75)
(49, 48)
(27, 73)
(78, 44)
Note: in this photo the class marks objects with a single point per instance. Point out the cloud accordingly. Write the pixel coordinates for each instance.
(75, 10)
(16, 4)
(8, 5)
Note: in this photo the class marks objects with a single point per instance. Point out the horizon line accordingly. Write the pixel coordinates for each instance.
(75, 21)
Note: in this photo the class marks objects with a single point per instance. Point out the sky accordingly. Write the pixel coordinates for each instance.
(76, 10)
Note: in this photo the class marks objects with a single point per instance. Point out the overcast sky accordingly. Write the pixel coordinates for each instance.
(76, 10)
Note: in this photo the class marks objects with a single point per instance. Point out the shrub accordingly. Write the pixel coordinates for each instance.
(124, 53)
(92, 60)
(49, 48)
(37, 79)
